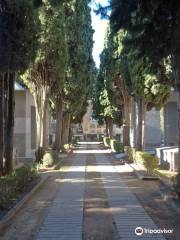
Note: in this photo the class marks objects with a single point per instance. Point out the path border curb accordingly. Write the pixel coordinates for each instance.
(142, 177)
(12, 212)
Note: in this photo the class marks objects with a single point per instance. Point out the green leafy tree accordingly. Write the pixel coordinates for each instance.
(18, 42)
(107, 105)
(141, 64)
(44, 75)
(81, 69)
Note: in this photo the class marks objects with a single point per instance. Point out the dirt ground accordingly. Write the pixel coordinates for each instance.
(27, 222)
(156, 200)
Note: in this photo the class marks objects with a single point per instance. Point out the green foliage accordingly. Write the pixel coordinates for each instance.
(67, 147)
(81, 68)
(24, 175)
(106, 141)
(50, 158)
(130, 152)
(49, 67)
(150, 162)
(16, 183)
(146, 22)
(100, 138)
(19, 30)
(106, 100)
(116, 146)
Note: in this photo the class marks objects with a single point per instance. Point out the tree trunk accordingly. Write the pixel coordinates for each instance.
(110, 127)
(59, 118)
(175, 62)
(126, 122)
(65, 128)
(178, 109)
(141, 124)
(10, 125)
(106, 123)
(162, 126)
(44, 137)
(1, 122)
(40, 98)
(133, 123)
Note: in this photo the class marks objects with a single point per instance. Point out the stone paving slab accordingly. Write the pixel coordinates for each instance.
(126, 209)
(65, 217)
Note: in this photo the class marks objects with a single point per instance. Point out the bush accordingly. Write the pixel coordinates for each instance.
(50, 158)
(106, 141)
(100, 138)
(164, 166)
(7, 190)
(24, 175)
(15, 183)
(150, 162)
(73, 141)
(130, 152)
(176, 184)
(67, 147)
(116, 146)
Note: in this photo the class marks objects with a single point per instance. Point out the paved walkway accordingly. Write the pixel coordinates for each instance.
(127, 211)
(65, 218)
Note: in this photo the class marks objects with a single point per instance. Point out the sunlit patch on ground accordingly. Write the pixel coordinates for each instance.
(92, 151)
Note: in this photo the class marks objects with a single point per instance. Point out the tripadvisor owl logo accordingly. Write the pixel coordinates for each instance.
(139, 231)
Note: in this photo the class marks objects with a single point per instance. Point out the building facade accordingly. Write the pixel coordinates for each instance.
(25, 124)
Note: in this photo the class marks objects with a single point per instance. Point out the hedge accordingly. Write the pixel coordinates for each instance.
(50, 158)
(16, 183)
(130, 152)
(106, 141)
(148, 161)
(116, 146)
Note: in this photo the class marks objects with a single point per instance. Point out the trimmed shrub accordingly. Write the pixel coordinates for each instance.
(50, 158)
(106, 141)
(67, 147)
(7, 190)
(164, 166)
(150, 162)
(100, 138)
(116, 146)
(74, 142)
(176, 184)
(130, 152)
(23, 175)
(16, 183)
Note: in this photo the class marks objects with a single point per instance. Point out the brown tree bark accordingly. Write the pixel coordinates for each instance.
(41, 102)
(178, 113)
(65, 128)
(126, 121)
(1, 122)
(106, 123)
(141, 124)
(110, 127)
(59, 118)
(133, 123)
(126, 110)
(10, 125)
(175, 61)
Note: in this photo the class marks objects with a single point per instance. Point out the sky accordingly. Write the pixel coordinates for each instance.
(99, 25)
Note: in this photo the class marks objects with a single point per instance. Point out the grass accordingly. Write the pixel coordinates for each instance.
(165, 173)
